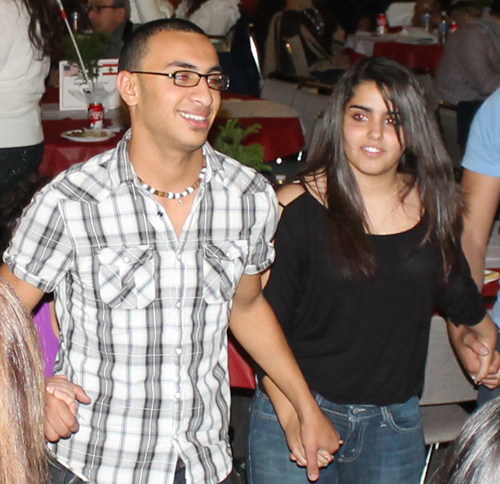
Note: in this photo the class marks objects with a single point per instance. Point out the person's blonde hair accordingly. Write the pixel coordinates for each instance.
(23, 456)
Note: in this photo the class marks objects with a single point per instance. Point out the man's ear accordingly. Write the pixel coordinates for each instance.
(127, 87)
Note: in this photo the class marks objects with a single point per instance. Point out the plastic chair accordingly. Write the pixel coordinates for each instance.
(278, 90)
(310, 107)
(445, 387)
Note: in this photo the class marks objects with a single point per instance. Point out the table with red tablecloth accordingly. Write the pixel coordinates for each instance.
(414, 56)
(415, 53)
(280, 132)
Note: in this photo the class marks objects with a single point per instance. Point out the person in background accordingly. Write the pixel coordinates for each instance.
(470, 68)
(481, 185)
(12, 203)
(142, 11)
(214, 17)
(32, 31)
(463, 11)
(23, 455)
(367, 247)
(152, 250)
(112, 17)
(474, 456)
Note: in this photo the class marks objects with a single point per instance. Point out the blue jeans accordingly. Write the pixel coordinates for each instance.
(382, 445)
(60, 475)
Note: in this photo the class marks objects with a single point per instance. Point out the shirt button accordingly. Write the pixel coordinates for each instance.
(178, 257)
(177, 396)
(178, 304)
(179, 351)
(228, 254)
(126, 260)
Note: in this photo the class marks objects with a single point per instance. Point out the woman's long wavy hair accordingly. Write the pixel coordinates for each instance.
(425, 164)
(23, 456)
(474, 457)
(46, 28)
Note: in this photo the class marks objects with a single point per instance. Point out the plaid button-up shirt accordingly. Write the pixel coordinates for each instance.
(144, 314)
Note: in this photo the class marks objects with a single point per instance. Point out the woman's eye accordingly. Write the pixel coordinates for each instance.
(392, 121)
(359, 116)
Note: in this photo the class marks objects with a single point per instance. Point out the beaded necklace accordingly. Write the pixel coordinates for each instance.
(175, 195)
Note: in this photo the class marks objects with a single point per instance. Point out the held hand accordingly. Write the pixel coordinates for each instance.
(492, 380)
(475, 347)
(61, 406)
(320, 440)
(298, 455)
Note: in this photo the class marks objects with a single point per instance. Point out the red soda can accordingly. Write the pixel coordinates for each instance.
(382, 23)
(96, 116)
(453, 27)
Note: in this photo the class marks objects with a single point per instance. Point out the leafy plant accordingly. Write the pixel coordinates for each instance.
(230, 142)
(92, 48)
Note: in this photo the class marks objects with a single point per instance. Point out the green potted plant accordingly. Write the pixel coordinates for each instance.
(230, 142)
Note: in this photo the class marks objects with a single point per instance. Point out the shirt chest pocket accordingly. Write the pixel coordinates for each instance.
(223, 266)
(126, 276)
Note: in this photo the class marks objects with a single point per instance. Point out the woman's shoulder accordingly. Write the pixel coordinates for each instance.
(289, 193)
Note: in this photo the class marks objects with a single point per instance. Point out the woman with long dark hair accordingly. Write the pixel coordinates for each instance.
(367, 247)
(215, 17)
(31, 33)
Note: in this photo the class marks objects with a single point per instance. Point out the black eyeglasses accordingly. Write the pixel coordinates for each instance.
(218, 82)
(99, 8)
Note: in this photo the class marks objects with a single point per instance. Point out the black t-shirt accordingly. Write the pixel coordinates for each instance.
(361, 341)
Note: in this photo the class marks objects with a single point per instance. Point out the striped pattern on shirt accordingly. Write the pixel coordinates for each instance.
(144, 314)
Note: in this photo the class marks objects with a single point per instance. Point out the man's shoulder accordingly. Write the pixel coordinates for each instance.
(87, 181)
(239, 177)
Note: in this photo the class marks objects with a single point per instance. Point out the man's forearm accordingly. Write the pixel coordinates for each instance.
(259, 332)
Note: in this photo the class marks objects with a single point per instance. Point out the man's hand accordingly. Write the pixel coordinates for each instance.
(61, 397)
(475, 346)
(320, 440)
(323, 444)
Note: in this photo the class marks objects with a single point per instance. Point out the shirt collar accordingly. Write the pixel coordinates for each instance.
(122, 171)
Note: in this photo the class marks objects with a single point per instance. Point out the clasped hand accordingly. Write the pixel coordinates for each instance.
(61, 407)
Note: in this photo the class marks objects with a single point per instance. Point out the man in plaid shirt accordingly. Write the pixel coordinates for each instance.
(152, 250)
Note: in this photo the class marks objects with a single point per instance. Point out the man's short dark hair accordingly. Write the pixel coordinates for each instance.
(135, 47)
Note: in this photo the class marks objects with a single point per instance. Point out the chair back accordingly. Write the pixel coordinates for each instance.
(445, 381)
(400, 13)
(310, 106)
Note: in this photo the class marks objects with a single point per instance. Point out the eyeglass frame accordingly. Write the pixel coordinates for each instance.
(99, 8)
(173, 74)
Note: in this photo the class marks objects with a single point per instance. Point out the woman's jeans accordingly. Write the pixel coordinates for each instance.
(382, 445)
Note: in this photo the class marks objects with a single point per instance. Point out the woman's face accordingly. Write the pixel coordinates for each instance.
(371, 142)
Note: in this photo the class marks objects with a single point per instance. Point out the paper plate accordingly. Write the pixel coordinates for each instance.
(88, 135)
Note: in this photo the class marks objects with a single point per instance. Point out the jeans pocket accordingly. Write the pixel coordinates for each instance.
(405, 417)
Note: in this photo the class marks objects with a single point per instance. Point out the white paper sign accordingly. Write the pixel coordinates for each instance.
(75, 93)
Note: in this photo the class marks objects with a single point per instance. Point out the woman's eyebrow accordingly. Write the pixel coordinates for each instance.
(363, 108)
(370, 110)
